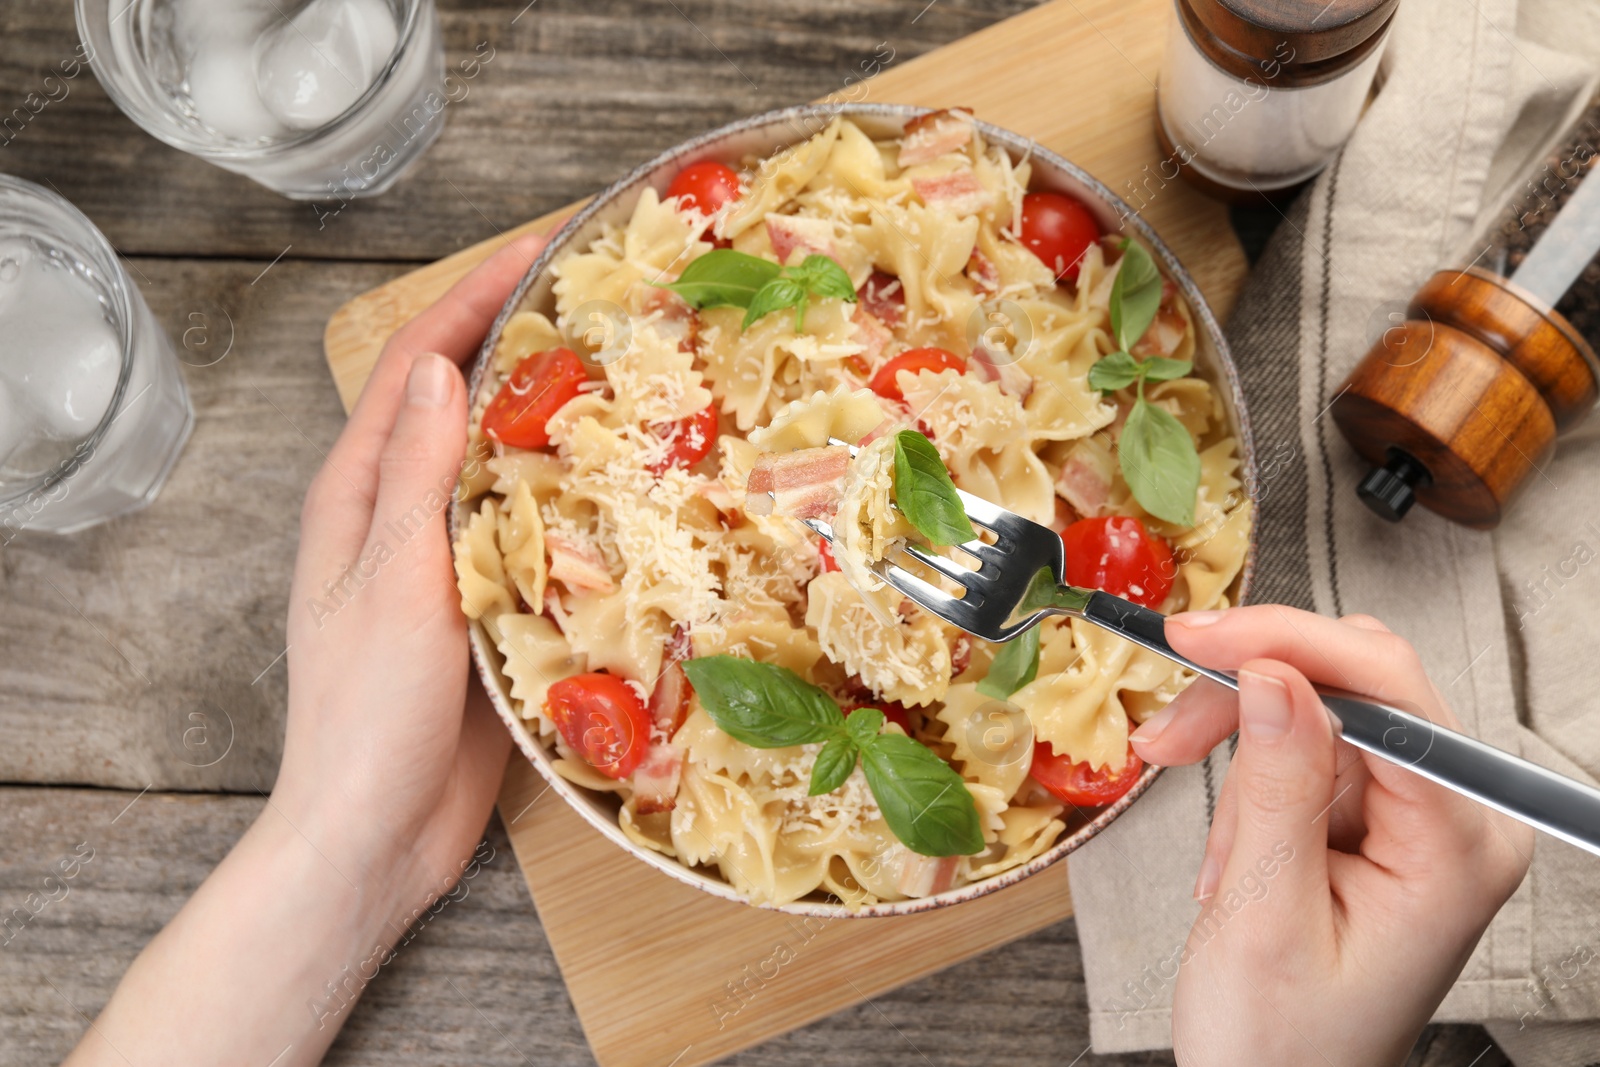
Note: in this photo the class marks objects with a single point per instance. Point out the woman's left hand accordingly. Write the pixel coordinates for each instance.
(390, 766)
(380, 737)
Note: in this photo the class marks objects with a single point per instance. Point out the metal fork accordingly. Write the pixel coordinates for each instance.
(1020, 579)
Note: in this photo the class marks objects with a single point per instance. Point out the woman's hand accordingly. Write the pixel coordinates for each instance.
(389, 767)
(382, 754)
(1340, 894)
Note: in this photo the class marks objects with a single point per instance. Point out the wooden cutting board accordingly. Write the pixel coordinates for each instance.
(661, 974)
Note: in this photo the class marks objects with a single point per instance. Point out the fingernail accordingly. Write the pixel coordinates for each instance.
(428, 384)
(1210, 874)
(1264, 711)
(1154, 725)
(1196, 619)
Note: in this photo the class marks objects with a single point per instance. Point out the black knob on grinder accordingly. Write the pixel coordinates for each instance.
(1390, 490)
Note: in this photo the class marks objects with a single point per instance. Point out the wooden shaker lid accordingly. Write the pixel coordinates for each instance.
(1282, 43)
(1460, 405)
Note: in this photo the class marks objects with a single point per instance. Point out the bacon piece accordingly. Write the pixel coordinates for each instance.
(1166, 329)
(655, 780)
(871, 334)
(984, 274)
(960, 655)
(669, 700)
(885, 297)
(806, 484)
(1002, 368)
(959, 192)
(1065, 515)
(679, 646)
(923, 876)
(1085, 479)
(930, 136)
(577, 564)
(791, 232)
(678, 319)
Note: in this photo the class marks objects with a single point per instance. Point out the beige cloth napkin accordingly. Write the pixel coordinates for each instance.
(1474, 93)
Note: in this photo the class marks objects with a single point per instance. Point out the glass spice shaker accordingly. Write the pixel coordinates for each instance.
(1256, 96)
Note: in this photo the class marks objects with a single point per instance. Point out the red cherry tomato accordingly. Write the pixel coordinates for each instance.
(704, 186)
(602, 719)
(893, 711)
(1079, 784)
(826, 554)
(1117, 554)
(537, 389)
(691, 438)
(1058, 230)
(884, 383)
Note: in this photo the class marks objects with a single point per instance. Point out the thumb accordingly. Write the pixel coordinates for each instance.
(420, 461)
(1283, 776)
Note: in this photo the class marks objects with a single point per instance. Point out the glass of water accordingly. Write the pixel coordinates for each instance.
(93, 410)
(315, 99)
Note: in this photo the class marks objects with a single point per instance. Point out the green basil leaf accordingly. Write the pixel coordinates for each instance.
(925, 493)
(1159, 463)
(924, 801)
(1015, 666)
(1135, 295)
(1116, 371)
(834, 764)
(1162, 369)
(864, 724)
(723, 277)
(762, 704)
(825, 278)
(776, 295)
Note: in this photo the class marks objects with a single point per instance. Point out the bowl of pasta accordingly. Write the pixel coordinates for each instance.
(659, 409)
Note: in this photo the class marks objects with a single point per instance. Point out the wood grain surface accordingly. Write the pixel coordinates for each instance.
(108, 637)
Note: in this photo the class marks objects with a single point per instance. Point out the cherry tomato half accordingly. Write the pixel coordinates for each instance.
(1117, 554)
(893, 711)
(536, 390)
(704, 186)
(1058, 230)
(602, 719)
(825, 552)
(691, 439)
(1079, 784)
(884, 383)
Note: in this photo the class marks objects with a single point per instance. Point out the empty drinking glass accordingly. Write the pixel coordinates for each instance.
(93, 411)
(315, 99)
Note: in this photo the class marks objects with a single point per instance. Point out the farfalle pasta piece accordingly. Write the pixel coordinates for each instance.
(480, 567)
(536, 656)
(521, 538)
(905, 660)
(778, 179)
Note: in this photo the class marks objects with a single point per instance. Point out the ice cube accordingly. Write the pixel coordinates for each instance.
(224, 94)
(310, 69)
(61, 359)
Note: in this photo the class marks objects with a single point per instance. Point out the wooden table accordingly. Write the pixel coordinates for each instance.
(114, 641)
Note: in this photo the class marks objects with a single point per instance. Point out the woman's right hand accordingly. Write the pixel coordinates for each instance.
(1377, 882)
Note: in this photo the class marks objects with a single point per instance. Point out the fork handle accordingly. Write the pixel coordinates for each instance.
(1539, 797)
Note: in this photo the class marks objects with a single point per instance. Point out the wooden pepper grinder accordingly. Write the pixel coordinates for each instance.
(1457, 407)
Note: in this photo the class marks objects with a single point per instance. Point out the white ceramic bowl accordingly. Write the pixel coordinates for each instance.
(761, 136)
